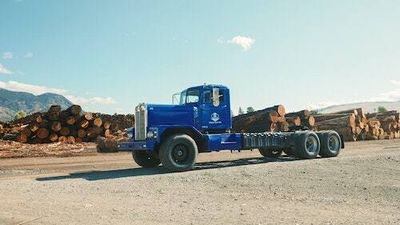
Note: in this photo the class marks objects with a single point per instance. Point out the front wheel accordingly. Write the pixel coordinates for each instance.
(178, 153)
(144, 159)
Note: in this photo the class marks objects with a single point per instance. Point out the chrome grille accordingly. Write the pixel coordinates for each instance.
(140, 122)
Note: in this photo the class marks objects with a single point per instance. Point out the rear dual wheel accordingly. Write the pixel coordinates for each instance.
(307, 145)
(331, 143)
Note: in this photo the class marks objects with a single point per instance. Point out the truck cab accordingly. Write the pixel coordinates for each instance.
(201, 121)
(212, 103)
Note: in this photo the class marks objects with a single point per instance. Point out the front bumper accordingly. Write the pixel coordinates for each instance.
(136, 145)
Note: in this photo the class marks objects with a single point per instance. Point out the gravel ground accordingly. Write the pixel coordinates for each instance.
(13, 149)
(361, 186)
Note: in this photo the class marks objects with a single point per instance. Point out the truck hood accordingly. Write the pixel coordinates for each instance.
(171, 115)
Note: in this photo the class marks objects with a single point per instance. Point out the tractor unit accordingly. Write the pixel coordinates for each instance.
(173, 135)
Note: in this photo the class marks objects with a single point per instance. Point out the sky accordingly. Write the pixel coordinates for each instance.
(111, 55)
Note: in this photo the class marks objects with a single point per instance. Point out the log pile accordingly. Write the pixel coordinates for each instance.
(117, 122)
(302, 118)
(56, 125)
(384, 125)
(354, 125)
(272, 119)
(267, 119)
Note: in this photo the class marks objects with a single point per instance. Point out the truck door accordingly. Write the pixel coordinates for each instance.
(215, 109)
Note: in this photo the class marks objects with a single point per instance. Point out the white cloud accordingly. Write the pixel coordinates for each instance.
(8, 55)
(395, 82)
(390, 96)
(37, 90)
(28, 55)
(91, 100)
(34, 89)
(4, 70)
(245, 42)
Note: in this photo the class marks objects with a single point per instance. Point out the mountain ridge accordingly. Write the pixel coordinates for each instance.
(13, 101)
(368, 107)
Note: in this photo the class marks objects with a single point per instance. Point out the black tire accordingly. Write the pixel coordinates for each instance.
(331, 143)
(307, 145)
(144, 159)
(270, 153)
(178, 153)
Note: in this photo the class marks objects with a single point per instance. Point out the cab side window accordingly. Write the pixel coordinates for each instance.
(207, 97)
(221, 96)
(216, 96)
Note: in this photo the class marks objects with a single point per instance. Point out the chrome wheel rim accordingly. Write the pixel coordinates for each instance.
(180, 153)
(333, 143)
(311, 144)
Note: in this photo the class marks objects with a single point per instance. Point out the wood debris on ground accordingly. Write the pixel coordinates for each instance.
(13, 149)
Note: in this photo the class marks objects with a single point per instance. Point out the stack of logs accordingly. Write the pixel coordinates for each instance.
(57, 125)
(350, 123)
(272, 119)
(384, 125)
(354, 125)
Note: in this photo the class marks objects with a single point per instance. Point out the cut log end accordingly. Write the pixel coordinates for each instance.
(97, 122)
(42, 133)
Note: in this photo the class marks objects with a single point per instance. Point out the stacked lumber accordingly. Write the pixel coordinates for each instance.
(56, 125)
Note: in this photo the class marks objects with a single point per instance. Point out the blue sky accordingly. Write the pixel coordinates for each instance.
(111, 55)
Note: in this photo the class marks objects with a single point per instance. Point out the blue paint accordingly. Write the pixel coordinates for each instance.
(204, 112)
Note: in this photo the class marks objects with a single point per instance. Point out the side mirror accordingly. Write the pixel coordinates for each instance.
(215, 97)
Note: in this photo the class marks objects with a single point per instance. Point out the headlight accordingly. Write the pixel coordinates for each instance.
(150, 134)
(130, 132)
(130, 135)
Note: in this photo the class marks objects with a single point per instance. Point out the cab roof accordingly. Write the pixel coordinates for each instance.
(208, 86)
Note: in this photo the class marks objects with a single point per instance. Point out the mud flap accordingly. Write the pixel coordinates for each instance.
(341, 140)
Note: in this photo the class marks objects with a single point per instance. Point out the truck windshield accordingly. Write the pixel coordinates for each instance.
(190, 96)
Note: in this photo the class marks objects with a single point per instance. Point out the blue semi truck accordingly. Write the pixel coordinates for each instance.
(173, 135)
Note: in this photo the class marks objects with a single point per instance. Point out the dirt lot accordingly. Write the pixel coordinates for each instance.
(13, 149)
(362, 186)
